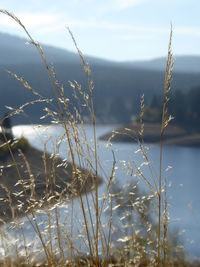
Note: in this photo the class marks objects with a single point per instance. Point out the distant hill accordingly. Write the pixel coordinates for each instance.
(17, 50)
(118, 86)
(189, 64)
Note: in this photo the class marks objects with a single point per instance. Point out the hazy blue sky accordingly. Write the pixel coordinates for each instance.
(112, 29)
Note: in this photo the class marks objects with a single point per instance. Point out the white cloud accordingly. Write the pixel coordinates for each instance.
(140, 30)
(30, 20)
(39, 19)
(50, 22)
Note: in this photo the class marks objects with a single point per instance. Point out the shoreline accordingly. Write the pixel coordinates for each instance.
(174, 135)
(36, 179)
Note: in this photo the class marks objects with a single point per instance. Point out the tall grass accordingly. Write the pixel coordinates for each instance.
(166, 118)
(130, 235)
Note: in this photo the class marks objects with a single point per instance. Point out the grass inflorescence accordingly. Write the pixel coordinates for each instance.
(121, 226)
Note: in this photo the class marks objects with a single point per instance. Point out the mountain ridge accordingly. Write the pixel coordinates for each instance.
(19, 52)
(183, 63)
(118, 86)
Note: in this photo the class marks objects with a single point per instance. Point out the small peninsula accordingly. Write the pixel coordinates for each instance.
(174, 135)
(31, 179)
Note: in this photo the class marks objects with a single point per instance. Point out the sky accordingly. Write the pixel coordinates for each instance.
(121, 30)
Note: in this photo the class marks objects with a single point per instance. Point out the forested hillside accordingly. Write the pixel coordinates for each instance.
(118, 86)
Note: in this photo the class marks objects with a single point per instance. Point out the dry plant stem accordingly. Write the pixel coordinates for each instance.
(11, 154)
(165, 227)
(25, 246)
(141, 175)
(16, 251)
(86, 228)
(54, 87)
(93, 227)
(90, 221)
(51, 77)
(50, 232)
(59, 234)
(32, 178)
(90, 215)
(90, 106)
(25, 84)
(143, 151)
(164, 124)
(107, 193)
(111, 215)
(36, 228)
(87, 71)
(38, 232)
(96, 171)
(4, 246)
(69, 244)
(72, 225)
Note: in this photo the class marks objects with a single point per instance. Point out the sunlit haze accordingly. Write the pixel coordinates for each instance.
(111, 29)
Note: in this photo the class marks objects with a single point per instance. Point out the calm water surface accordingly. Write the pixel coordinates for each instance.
(183, 179)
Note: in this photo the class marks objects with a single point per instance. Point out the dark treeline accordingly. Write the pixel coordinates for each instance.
(116, 94)
(186, 108)
(118, 86)
(183, 106)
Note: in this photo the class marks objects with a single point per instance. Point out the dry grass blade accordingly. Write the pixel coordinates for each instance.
(25, 84)
(164, 123)
(76, 219)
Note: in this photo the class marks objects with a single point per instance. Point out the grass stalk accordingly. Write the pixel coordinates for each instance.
(126, 204)
(164, 123)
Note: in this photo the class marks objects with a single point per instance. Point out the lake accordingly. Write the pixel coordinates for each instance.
(183, 179)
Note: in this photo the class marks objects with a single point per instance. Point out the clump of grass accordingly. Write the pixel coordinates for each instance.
(130, 236)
